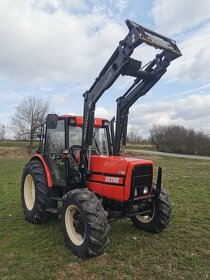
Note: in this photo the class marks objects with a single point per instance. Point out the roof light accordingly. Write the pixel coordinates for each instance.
(105, 122)
(72, 121)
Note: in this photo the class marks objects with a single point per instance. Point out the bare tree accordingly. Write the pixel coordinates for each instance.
(2, 131)
(133, 136)
(29, 116)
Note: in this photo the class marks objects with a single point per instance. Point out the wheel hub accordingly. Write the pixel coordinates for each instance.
(78, 223)
(29, 192)
(148, 217)
(75, 225)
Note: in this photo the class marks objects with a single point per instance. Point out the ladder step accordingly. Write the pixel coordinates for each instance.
(53, 210)
(57, 198)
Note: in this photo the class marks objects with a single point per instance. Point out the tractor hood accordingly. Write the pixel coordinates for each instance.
(116, 165)
(111, 175)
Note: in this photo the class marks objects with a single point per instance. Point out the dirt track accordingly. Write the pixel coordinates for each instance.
(167, 154)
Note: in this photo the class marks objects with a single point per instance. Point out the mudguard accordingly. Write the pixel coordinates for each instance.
(46, 168)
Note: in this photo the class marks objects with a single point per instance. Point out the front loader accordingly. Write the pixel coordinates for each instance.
(78, 172)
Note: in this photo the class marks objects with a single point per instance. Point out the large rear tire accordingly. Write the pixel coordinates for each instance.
(34, 192)
(159, 216)
(84, 223)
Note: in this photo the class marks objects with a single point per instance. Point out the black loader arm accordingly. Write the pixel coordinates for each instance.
(121, 63)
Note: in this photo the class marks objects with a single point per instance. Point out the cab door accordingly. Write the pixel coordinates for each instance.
(54, 144)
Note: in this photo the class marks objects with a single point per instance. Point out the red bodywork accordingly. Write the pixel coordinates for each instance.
(110, 175)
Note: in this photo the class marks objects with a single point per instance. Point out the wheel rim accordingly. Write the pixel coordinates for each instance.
(147, 218)
(75, 225)
(29, 192)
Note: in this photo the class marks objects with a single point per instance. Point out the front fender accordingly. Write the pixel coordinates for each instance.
(46, 168)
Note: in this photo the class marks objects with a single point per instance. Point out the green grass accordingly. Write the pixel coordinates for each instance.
(182, 251)
(13, 143)
(16, 143)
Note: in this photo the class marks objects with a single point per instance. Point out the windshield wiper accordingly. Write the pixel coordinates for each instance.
(97, 147)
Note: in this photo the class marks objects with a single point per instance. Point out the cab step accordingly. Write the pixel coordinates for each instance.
(53, 210)
(56, 198)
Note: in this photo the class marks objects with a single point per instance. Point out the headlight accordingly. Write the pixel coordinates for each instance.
(145, 190)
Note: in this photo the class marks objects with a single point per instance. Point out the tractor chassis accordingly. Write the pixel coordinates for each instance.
(116, 210)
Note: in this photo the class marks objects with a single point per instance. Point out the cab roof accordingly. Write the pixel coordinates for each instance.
(78, 120)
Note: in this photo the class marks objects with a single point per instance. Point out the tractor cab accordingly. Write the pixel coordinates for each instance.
(110, 176)
(60, 145)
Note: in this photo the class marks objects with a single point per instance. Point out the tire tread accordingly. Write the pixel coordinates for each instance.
(96, 221)
(38, 214)
(162, 217)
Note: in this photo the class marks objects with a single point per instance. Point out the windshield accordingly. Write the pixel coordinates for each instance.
(99, 144)
(75, 135)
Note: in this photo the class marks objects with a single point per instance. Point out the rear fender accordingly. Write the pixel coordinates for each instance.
(46, 168)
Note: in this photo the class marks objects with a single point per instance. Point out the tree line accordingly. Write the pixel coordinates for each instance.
(178, 139)
(2, 131)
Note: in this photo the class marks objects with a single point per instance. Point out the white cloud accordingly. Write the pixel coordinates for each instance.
(172, 17)
(121, 4)
(200, 90)
(192, 108)
(101, 112)
(73, 4)
(37, 44)
(176, 16)
(44, 4)
(195, 62)
(192, 111)
(59, 99)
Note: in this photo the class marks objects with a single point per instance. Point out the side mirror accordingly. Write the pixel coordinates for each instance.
(65, 151)
(65, 154)
(51, 121)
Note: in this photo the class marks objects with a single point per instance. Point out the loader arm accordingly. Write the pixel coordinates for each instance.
(121, 63)
(142, 84)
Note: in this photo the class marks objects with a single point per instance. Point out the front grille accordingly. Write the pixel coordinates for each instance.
(142, 178)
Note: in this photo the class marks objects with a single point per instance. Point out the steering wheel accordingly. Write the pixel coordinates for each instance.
(73, 149)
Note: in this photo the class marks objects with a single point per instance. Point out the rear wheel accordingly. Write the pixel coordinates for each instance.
(34, 192)
(158, 218)
(84, 223)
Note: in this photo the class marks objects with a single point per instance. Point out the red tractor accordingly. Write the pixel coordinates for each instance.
(78, 172)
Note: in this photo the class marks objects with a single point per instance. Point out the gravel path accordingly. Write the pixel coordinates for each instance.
(167, 154)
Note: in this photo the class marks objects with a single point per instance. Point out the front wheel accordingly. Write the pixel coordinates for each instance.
(158, 218)
(84, 223)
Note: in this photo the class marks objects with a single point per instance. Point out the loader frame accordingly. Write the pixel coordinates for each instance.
(121, 63)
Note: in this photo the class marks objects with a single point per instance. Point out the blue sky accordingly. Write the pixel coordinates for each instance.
(54, 49)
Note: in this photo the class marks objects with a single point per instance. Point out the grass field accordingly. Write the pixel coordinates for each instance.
(182, 251)
(13, 143)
